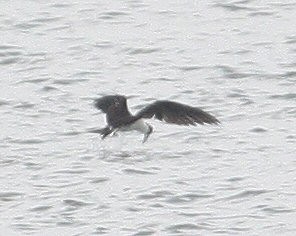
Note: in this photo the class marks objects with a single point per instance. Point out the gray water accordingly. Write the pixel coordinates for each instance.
(235, 59)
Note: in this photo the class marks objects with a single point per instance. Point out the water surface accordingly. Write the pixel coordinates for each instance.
(235, 59)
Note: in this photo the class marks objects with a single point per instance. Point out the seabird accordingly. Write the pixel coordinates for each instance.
(120, 119)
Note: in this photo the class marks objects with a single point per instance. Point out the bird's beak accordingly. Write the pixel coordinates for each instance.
(145, 137)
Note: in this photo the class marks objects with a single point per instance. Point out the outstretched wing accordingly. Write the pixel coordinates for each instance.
(176, 113)
(104, 103)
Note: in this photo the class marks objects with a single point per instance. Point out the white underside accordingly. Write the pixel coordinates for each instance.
(139, 126)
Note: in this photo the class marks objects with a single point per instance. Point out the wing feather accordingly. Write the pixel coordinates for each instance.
(176, 113)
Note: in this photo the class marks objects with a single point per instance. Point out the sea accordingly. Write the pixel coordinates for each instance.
(235, 59)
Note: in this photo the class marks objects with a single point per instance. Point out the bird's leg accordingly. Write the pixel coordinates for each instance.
(104, 132)
(145, 138)
(114, 132)
(147, 134)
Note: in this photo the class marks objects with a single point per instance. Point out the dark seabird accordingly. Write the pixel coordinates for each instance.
(120, 119)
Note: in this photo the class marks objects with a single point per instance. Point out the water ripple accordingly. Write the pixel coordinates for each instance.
(24, 105)
(144, 233)
(10, 196)
(10, 54)
(61, 5)
(181, 228)
(232, 73)
(137, 171)
(190, 68)
(262, 13)
(245, 194)
(235, 6)
(277, 210)
(155, 195)
(136, 51)
(4, 102)
(27, 141)
(113, 14)
(68, 81)
(75, 203)
(187, 198)
(258, 130)
(40, 208)
(287, 96)
(99, 180)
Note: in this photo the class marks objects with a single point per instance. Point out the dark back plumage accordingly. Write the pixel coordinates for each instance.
(104, 103)
(115, 107)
